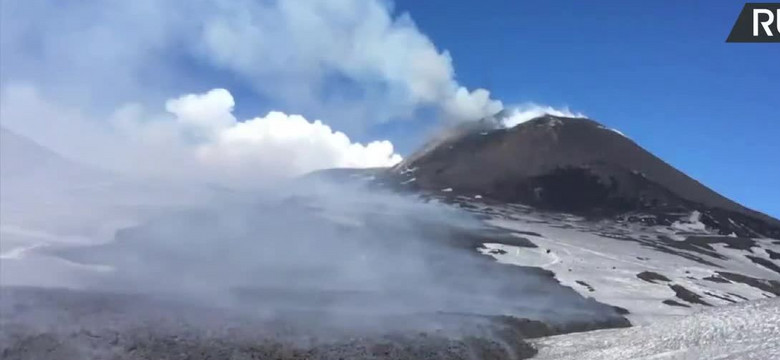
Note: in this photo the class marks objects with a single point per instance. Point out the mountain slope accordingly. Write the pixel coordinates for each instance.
(742, 331)
(606, 217)
(570, 164)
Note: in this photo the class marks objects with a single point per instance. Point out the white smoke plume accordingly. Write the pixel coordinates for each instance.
(199, 137)
(351, 62)
(522, 113)
(304, 42)
(276, 143)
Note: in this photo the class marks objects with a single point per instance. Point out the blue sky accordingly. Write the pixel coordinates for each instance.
(661, 72)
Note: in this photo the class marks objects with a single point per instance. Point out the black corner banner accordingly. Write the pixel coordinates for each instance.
(758, 22)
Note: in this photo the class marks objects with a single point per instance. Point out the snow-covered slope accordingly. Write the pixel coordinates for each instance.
(647, 238)
(652, 271)
(749, 330)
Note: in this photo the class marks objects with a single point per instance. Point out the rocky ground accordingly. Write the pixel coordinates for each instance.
(54, 324)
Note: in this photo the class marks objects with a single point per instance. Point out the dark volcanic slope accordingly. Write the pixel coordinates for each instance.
(571, 164)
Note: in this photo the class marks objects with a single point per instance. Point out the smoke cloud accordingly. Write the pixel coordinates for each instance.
(197, 137)
(340, 254)
(353, 62)
(297, 42)
(277, 144)
(522, 113)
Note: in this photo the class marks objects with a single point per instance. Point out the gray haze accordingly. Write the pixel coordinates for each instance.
(344, 255)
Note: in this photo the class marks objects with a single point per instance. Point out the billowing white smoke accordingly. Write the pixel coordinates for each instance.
(198, 138)
(301, 41)
(522, 113)
(351, 62)
(277, 143)
(474, 105)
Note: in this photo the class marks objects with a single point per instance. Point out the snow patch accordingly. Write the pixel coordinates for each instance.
(693, 223)
(618, 132)
(583, 252)
(747, 330)
(520, 256)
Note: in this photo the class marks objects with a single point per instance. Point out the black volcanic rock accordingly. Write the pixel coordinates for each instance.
(569, 164)
(687, 295)
(650, 276)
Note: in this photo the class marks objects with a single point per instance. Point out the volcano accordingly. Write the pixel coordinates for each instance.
(574, 165)
(481, 245)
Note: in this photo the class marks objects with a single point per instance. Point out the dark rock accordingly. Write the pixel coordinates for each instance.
(687, 295)
(621, 310)
(764, 262)
(730, 242)
(717, 279)
(701, 247)
(770, 286)
(586, 285)
(96, 326)
(739, 296)
(529, 329)
(650, 276)
(719, 297)
(664, 249)
(674, 303)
